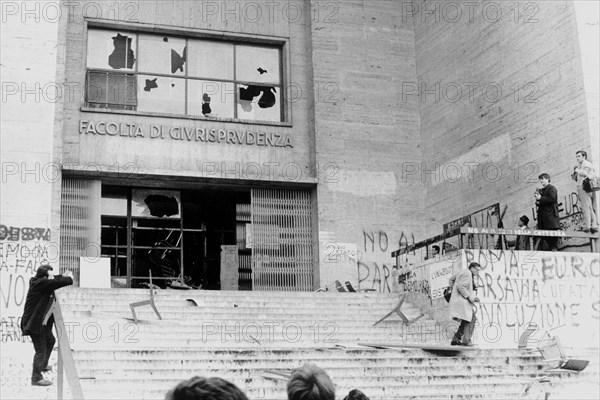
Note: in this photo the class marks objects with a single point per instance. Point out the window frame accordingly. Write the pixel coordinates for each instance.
(278, 42)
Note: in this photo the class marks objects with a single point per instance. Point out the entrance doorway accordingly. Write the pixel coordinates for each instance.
(211, 237)
(174, 235)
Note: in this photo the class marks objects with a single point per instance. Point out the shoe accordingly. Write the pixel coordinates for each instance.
(455, 343)
(585, 230)
(469, 344)
(41, 382)
(594, 230)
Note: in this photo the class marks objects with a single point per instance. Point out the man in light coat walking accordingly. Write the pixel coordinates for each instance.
(462, 302)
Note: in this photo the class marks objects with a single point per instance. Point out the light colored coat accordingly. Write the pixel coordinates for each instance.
(461, 306)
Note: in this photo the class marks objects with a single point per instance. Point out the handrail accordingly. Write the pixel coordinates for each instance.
(465, 230)
(65, 356)
(529, 232)
(424, 243)
(525, 232)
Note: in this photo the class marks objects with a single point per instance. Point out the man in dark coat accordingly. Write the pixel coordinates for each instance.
(40, 298)
(521, 242)
(546, 200)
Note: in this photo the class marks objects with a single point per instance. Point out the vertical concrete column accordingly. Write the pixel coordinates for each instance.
(587, 14)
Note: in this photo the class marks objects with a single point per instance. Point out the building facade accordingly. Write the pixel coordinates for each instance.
(279, 145)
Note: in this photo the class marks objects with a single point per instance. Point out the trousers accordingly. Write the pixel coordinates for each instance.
(43, 343)
(465, 330)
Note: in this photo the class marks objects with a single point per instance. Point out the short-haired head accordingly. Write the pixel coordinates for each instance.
(201, 388)
(474, 265)
(356, 394)
(544, 176)
(42, 270)
(309, 382)
(583, 153)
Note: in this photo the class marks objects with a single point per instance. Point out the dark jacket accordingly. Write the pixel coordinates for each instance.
(547, 212)
(39, 300)
(522, 242)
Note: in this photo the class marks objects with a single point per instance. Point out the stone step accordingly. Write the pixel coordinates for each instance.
(320, 353)
(407, 368)
(223, 313)
(305, 309)
(108, 292)
(358, 302)
(210, 340)
(358, 372)
(149, 320)
(75, 294)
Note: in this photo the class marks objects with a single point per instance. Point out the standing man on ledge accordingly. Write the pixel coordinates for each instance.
(40, 298)
(462, 302)
(546, 200)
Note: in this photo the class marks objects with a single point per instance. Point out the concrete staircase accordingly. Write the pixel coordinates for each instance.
(250, 338)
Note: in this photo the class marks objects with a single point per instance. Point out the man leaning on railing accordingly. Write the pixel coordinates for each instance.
(40, 298)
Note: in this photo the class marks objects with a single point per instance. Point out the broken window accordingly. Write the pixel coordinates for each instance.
(259, 98)
(111, 50)
(257, 64)
(211, 98)
(155, 203)
(258, 102)
(161, 94)
(173, 75)
(162, 55)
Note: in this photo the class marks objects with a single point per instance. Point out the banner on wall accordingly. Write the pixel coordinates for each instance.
(550, 289)
(439, 274)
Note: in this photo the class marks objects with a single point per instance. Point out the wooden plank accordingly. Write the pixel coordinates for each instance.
(64, 351)
(422, 346)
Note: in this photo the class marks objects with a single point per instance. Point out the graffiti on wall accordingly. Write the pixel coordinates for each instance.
(549, 289)
(22, 251)
(375, 265)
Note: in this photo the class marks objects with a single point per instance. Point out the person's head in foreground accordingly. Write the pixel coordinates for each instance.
(310, 382)
(356, 394)
(200, 388)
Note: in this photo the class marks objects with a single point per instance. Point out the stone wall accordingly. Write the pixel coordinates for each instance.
(500, 93)
(364, 133)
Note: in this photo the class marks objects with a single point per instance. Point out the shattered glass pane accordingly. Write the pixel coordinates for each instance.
(258, 102)
(257, 64)
(211, 98)
(155, 203)
(210, 60)
(162, 55)
(111, 50)
(161, 94)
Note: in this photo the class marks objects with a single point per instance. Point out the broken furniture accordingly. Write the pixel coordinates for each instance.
(149, 302)
(396, 310)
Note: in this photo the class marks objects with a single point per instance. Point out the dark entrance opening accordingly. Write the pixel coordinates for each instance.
(177, 236)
